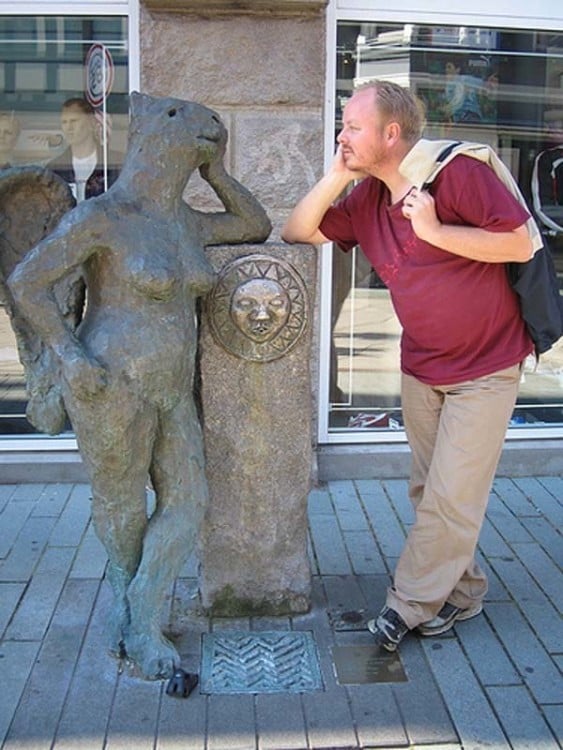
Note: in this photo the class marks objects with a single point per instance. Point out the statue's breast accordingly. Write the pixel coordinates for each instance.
(155, 273)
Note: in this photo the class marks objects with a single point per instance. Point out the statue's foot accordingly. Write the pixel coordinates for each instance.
(154, 655)
(116, 626)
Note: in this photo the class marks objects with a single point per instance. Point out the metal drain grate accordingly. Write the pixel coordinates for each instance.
(269, 662)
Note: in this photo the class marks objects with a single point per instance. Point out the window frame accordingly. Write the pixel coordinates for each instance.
(129, 8)
(364, 11)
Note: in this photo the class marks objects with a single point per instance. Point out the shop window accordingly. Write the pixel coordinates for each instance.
(63, 105)
(496, 86)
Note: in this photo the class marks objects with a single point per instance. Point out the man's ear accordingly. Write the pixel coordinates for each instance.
(392, 132)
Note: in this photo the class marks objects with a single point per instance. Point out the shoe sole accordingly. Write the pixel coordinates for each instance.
(467, 614)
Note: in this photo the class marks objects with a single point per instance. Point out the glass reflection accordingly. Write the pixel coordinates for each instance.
(52, 114)
(494, 86)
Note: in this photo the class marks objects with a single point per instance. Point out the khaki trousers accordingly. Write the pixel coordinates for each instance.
(456, 434)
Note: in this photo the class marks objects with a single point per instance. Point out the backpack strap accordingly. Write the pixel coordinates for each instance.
(442, 156)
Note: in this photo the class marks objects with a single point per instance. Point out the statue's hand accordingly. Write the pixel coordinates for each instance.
(213, 165)
(85, 376)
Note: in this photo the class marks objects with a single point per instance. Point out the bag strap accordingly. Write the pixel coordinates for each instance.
(442, 156)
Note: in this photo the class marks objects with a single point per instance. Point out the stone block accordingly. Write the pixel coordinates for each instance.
(52, 500)
(364, 554)
(91, 557)
(89, 699)
(475, 721)
(521, 718)
(6, 491)
(32, 540)
(17, 662)
(43, 699)
(534, 605)
(390, 534)
(331, 558)
(74, 519)
(534, 665)
(36, 608)
(13, 519)
(486, 653)
(10, 594)
(348, 510)
(424, 711)
(210, 8)
(231, 722)
(134, 718)
(254, 62)
(278, 156)
(256, 399)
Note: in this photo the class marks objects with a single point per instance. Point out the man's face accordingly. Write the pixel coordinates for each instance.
(9, 132)
(362, 135)
(77, 126)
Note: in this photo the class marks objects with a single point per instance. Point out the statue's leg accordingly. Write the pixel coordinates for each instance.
(178, 477)
(121, 532)
(115, 434)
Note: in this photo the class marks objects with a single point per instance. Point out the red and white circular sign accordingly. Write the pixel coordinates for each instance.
(98, 69)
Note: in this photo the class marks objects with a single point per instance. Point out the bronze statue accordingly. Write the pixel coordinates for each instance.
(127, 371)
(32, 202)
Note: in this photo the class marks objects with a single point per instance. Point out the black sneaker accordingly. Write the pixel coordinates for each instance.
(388, 629)
(446, 619)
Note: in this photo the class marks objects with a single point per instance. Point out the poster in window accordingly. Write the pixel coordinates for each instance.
(462, 89)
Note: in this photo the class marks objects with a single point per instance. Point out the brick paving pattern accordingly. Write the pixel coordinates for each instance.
(493, 682)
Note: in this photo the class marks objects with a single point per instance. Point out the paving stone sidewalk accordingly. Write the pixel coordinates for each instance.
(493, 682)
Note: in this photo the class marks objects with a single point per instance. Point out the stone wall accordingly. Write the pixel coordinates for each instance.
(261, 66)
(262, 71)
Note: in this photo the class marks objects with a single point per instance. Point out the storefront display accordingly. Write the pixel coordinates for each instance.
(64, 102)
(497, 86)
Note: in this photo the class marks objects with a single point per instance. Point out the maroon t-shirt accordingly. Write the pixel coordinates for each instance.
(461, 319)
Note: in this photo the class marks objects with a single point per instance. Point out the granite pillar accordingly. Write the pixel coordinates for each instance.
(257, 421)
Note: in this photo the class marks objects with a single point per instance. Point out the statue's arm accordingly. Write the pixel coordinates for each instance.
(32, 286)
(244, 219)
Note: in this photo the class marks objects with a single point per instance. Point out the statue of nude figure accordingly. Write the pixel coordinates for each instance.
(127, 371)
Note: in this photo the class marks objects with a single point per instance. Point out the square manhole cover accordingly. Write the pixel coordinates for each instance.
(360, 665)
(269, 662)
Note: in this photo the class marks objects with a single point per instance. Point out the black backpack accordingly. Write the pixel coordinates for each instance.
(536, 284)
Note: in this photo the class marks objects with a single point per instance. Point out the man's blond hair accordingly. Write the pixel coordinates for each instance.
(398, 104)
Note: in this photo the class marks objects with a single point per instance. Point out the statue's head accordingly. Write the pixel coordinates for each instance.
(176, 128)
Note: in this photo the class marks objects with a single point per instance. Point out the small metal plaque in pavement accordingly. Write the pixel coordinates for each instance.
(269, 662)
(360, 665)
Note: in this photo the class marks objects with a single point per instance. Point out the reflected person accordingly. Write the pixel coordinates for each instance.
(81, 164)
